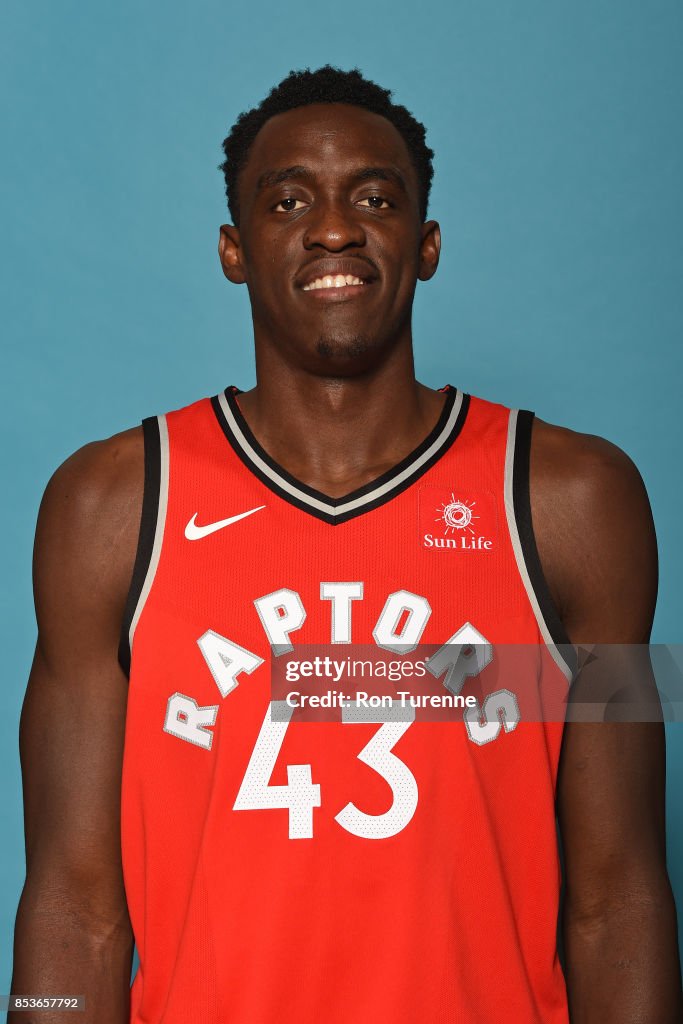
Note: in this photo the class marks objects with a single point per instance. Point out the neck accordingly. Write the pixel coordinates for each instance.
(336, 433)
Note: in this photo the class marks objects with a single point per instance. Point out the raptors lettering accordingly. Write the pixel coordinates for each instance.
(399, 629)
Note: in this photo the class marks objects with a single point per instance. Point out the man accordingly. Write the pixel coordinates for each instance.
(333, 871)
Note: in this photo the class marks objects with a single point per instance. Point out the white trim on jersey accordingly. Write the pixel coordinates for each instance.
(517, 547)
(162, 506)
(395, 482)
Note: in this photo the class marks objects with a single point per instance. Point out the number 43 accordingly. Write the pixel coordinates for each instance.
(301, 794)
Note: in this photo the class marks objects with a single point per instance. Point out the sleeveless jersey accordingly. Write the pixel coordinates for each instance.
(343, 871)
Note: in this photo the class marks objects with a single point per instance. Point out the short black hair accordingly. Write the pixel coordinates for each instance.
(326, 85)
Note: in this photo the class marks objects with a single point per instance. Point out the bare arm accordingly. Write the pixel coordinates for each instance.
(597, 544)
(73, 934)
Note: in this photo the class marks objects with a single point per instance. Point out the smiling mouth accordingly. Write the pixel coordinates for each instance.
(333, 281)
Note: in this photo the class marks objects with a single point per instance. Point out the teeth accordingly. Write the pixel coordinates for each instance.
(338, 281)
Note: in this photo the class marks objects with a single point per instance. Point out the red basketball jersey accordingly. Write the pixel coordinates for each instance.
(344, 871)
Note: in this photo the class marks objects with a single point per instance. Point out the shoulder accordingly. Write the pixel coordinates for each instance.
(594, 531)
(99, 482)
(88, 523)
(585, 467)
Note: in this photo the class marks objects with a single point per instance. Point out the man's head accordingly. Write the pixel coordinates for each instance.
(326, 85)
(328, 184)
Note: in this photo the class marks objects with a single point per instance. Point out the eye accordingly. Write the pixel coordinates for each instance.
(288, 204)
(376, 202)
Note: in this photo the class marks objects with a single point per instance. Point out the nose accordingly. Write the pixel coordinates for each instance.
(333, 226)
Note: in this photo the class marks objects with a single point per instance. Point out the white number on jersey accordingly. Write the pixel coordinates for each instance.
(377, 755)
(300, 795)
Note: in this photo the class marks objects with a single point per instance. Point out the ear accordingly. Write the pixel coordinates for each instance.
(430, 247)
(230, 253)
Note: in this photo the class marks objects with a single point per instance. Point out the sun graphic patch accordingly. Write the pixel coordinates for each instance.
(457, 515)
(456, 519)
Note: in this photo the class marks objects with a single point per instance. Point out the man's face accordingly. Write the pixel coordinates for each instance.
(330, 241)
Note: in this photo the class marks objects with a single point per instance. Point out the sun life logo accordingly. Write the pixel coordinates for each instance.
(457, 515)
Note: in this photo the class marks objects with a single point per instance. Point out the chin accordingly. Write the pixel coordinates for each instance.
(349, 355)
(344, 349)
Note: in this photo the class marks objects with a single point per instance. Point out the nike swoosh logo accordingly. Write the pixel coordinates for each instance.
(194, 532)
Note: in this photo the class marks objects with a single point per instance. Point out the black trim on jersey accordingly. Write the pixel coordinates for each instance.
(148, 523)
(522, 506)
(381, 481)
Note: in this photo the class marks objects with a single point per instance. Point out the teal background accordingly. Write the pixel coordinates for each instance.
(557, 129)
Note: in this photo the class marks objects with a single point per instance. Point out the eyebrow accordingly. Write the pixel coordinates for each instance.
(269, 179)
(383, 174)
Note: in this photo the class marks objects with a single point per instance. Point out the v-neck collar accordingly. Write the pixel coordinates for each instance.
(371, 495)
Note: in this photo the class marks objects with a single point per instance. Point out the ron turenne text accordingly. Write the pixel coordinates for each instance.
(361, 699)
